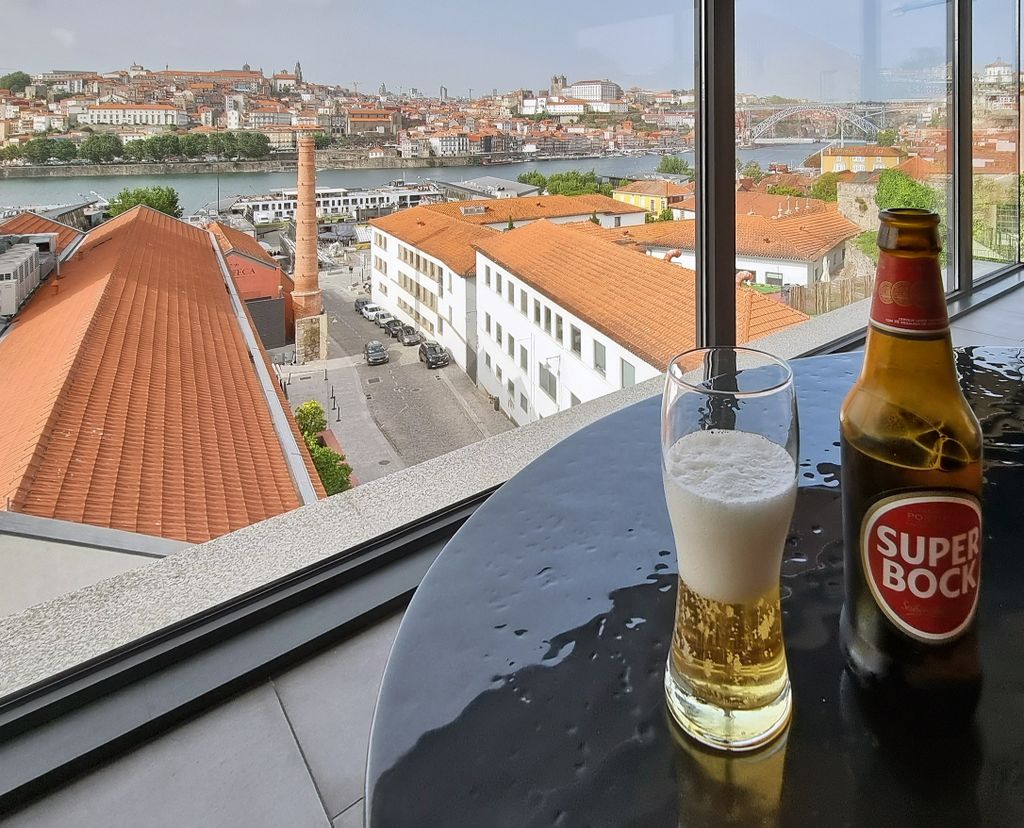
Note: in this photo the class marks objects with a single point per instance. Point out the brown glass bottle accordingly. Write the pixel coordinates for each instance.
(911, 487)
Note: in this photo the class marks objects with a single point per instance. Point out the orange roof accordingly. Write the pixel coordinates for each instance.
(864, 151)
(27, 223)
(437, 235)
(497, 210)
(132, 106)
(129, 396)
(797, 237)
(646, 304)
(229, 239)
(660, 188)
(920, 168)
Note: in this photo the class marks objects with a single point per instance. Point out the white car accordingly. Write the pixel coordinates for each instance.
(371, 311)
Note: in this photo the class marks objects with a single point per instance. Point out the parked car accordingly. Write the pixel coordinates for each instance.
(393, 327)
(409, 335)
(361, 303)
(375, 352)
(433, 355)
(371, 310)
(382, 318)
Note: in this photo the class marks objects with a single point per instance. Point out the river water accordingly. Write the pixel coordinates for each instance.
(195, 191)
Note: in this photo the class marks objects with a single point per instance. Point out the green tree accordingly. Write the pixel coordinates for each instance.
(64, 150)
(897, 189)
(11, 152)
(38, 150)
(162, 147)
(134, 150)
(753, 171)
(573, 182)
(101, 147)
(674, 165)
(784, 190)
(666, 215)
(15, 81)
(229, 145)
(886, 137)
(826, 187)
(321, 140)
(253, 144)
(311, 418)
(334, 472)
(164, 199)
(511, 224)
(534, 179)
(215, 143)
(193, 144)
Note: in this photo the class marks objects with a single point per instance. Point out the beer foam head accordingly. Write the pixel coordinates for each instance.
(730, 466)
(730, 495)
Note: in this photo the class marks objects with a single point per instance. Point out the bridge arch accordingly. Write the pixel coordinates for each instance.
(858, 121)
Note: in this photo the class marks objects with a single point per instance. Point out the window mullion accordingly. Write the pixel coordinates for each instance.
(961, 210)
(715, 88)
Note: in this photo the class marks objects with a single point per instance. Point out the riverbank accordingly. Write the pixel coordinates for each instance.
(323, 161)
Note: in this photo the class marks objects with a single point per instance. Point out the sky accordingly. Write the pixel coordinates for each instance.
(795, 48)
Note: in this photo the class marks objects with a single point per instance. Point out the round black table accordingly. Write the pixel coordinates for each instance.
(525, 684)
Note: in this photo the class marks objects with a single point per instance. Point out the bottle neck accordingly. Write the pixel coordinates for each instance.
(908, 331)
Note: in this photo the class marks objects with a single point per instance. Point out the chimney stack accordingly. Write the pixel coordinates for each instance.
(306, 296)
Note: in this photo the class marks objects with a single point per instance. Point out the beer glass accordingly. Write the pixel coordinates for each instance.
(729, 459)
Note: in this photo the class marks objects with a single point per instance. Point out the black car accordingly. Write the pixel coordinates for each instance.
(361, 303)
(434, 355)
(409, 335)
(375, 352)
(393, 327)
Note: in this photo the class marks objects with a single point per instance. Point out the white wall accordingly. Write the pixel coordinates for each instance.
(625, 220)
(575, 375)
(793, 273)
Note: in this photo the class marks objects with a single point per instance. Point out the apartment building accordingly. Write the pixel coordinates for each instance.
(653, 196)
(123, 114)
(860, 158)
(566, 315)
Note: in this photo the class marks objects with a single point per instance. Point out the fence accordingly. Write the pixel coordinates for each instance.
(825, 296)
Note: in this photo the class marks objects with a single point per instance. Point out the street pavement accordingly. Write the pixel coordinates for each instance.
(387, 416)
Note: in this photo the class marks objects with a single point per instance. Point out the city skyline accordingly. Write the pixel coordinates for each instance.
(337, 46)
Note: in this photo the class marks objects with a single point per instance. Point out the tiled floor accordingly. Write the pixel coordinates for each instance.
(1000, 322)
(291, 752)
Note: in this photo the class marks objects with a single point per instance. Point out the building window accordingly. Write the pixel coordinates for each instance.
(575, 340)
(487, 359)
(524, 357)
(522, 302)
(547, 320)
(487, 323)
(536, 313)
(511, 346)
(628, 374)
(773, 279)
(440, 326)
(497, 372)
(618, 221)
(599, 358)
(511, 294)
(523, 402)
(511, 386)
(558, 328)
(548, 381)
(487, 275)
(497, 332)
(497, 281)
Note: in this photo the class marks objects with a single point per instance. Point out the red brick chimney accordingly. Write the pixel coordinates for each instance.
(306, 297)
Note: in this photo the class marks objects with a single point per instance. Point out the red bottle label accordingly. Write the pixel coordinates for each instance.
(908, 296)
(921, 554)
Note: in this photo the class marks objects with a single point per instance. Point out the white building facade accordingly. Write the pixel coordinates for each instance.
(535, 357)
(135, 115)
(425, 292)
(775, 272)
(594, 90)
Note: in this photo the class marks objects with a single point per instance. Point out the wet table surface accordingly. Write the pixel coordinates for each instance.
(525, 684)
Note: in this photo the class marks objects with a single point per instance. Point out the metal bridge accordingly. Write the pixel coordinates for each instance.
(849, 116)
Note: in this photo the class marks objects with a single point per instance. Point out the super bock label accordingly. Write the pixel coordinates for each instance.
(921, 553)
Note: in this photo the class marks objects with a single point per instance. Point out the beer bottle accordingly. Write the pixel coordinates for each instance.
(911, 486)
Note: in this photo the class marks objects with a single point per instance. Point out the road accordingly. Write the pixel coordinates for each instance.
(387, 416)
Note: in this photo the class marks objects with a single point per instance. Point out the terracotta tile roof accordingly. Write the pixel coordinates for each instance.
(659, 188)
(26, 223)
(497, 210)
(864, 151)
(920, 168)
(798, 237)
(229, 239)
(642, 302)
(129, 396)
(436, 234)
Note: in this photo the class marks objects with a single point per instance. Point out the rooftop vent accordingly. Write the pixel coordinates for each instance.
(473, 210)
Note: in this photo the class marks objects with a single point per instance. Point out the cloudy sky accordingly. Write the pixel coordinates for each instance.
(800, 48)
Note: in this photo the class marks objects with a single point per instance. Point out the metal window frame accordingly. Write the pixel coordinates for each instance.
(961, 213)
